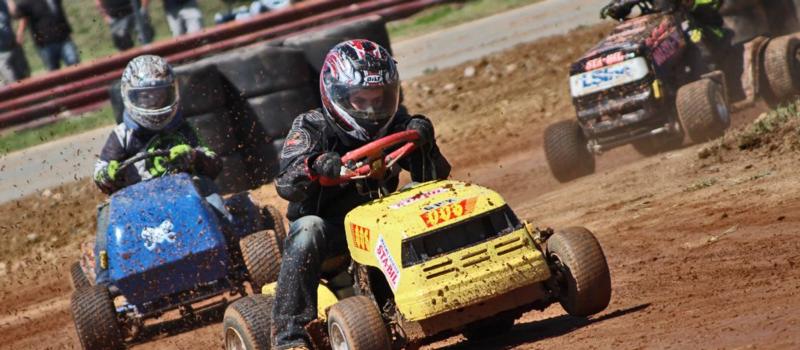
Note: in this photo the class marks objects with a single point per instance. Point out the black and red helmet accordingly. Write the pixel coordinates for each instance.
(360, 89)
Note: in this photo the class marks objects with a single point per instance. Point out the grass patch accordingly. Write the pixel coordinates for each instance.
(17, 140)
(93, 39)
(447, 15)
(91, 34)
(700, 185)
(780, 123)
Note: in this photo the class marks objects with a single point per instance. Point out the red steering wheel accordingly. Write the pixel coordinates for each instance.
(371, 160)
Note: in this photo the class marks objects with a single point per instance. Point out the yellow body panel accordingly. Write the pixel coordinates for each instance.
(375, 232)
(325, 298)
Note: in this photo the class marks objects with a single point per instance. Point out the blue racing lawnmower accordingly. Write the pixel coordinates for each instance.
(165, 244)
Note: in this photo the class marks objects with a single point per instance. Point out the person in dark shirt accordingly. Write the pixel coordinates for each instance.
(360, 89)
(13, 64)
(50, 30)
(183, 16)
(123, 16)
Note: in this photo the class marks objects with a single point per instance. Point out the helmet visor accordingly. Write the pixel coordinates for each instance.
(371, 103)
(153, 98)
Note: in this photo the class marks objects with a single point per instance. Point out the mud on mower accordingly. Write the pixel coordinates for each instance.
(646, 84)
(169, 244)
(432, 260)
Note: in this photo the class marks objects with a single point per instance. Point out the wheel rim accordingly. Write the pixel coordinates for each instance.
(722, 109)
(234, 340)
(338, 340)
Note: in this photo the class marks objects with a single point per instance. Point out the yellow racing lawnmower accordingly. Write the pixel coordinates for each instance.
(433, 260)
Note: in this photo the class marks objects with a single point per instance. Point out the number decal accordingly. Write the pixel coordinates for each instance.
(440, 215)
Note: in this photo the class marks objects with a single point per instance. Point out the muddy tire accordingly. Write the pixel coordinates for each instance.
(77, 277)
(659, 144)
(356, 323)
(273, 219)
(580, 271)
(96, 319)
(248, 322)
(216, 131)
(234, 176)
(489, 329)
(262, 258)
(566, 152)
(703, 110)
(782, 67)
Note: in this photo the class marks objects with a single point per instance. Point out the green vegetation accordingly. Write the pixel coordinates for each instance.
(776, 123)
(16, 140)
(705, 183)
(443, 16)
(93, 39)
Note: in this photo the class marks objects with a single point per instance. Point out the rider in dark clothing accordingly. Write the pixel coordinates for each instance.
(705, 27)
(360, 93)
(151, 122)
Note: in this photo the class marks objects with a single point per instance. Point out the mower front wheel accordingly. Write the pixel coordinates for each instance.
(565, 147)
(96, 319)
(78, 277)
(703, 110)
(247, 323)
(580, 271)
(356, 323)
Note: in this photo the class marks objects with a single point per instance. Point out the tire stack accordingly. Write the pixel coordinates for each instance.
(243, 102)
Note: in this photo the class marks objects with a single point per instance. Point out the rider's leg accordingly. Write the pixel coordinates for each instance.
(311, 239)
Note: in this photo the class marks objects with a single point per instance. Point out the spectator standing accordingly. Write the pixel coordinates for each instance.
(123, 16)
(50, 30)
(183, 16)
(13, 64)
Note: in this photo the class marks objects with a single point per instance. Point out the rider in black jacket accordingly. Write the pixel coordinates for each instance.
(360, 91)
(705, 26)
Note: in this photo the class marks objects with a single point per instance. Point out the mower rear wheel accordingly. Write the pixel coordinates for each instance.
(248, 322)
(782, 67)
(566, 150)
(703, 110)
(356, 323)
(580, 271)
(96, 319)
(262, 258)
(274, 221)
(78, 278)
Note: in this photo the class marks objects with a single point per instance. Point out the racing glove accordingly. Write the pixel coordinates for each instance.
(328, 165)
(425, 130)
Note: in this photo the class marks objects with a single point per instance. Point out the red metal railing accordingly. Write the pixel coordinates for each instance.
(46, 95)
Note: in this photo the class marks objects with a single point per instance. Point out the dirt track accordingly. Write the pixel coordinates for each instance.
(703, 253)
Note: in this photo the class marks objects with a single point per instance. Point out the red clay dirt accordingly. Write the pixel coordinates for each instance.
(703, 252)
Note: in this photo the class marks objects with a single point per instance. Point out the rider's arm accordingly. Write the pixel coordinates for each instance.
(295, 181)
(427, 162)
(205, 161)
(105, 168)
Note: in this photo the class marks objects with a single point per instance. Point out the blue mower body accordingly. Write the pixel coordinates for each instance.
(166, 245)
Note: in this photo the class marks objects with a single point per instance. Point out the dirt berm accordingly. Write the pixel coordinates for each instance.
(702, 242)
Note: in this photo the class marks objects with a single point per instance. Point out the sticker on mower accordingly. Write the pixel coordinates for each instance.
(156, 235)
(388, 265)
(360, 236)
(417, 197)
(449, 212)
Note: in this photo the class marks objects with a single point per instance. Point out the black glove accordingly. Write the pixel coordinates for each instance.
(328, 165)
(425, 130)
(616, 10)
